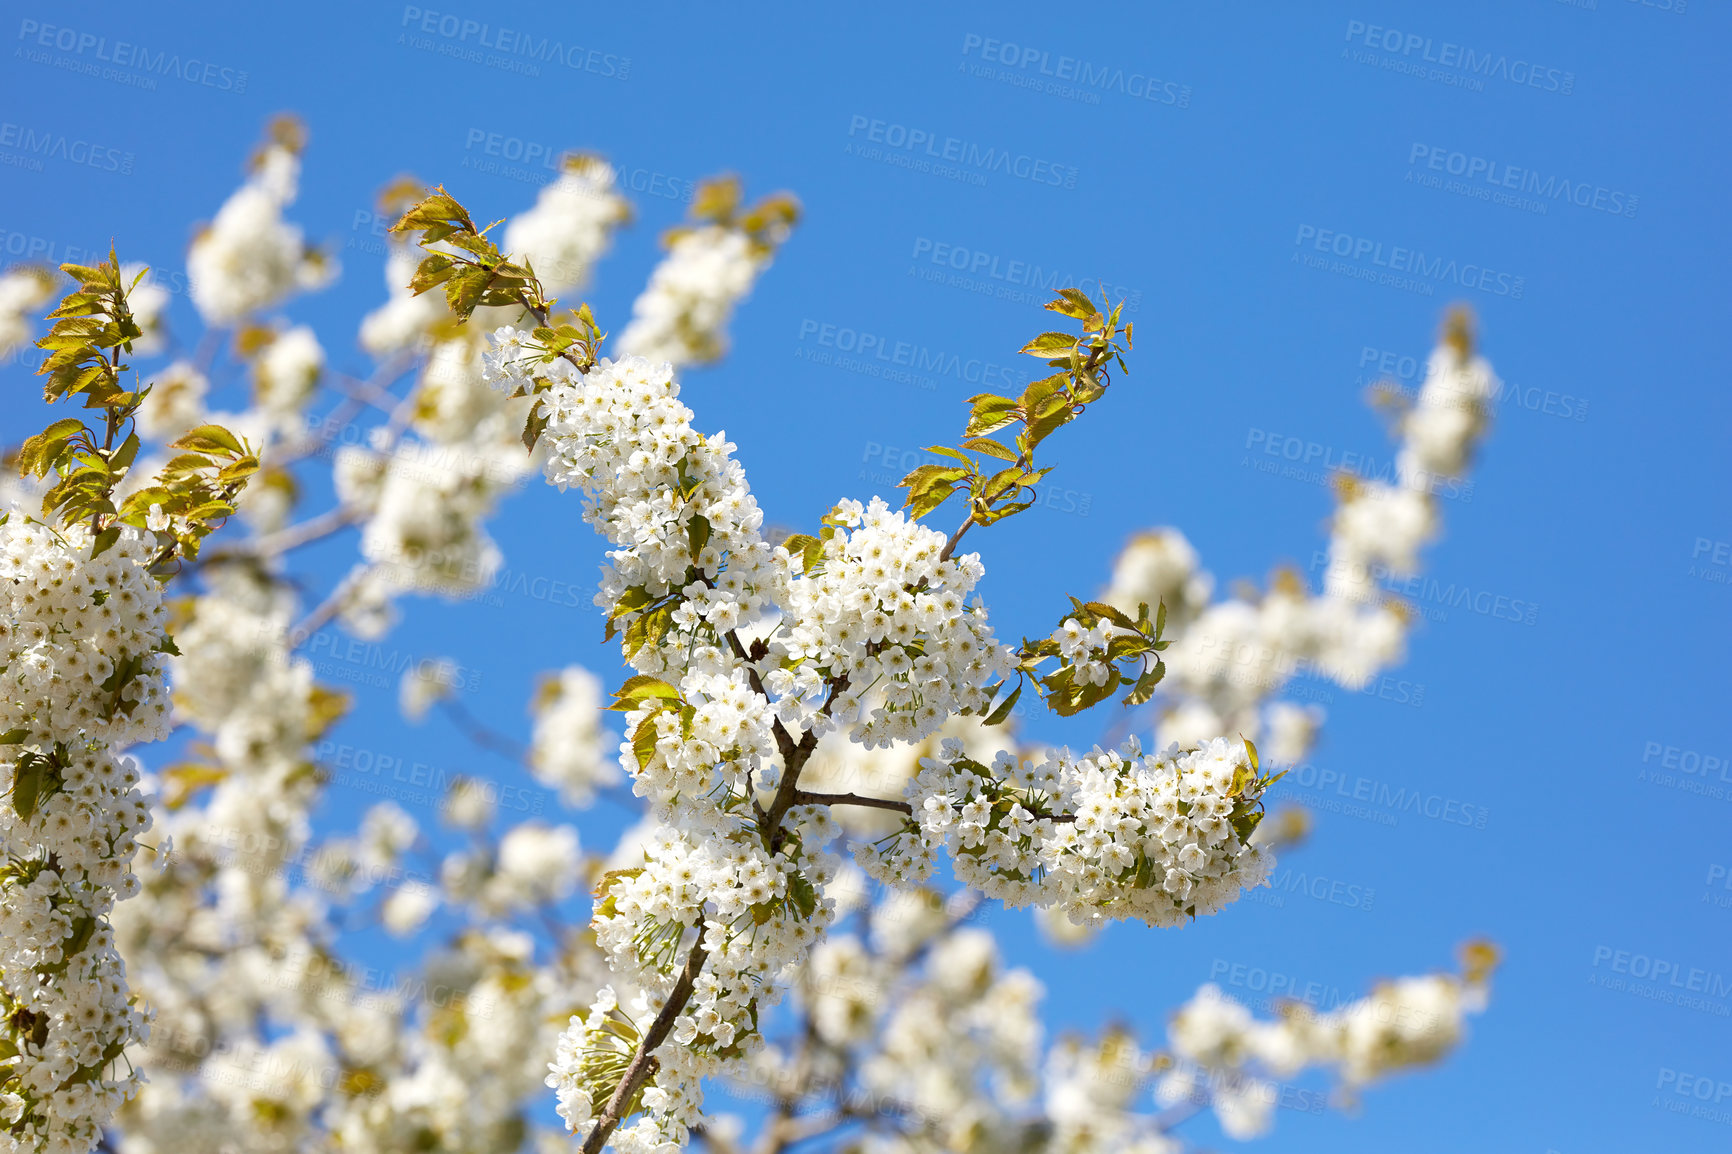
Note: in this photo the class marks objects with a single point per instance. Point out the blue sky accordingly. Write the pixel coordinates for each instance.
(1241, 138)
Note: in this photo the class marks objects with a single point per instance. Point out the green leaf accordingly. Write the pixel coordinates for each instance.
(1048, 343)
(990, 447)
(801, 893)
(990, 412)
(953, 454)
(1245, 824)
(642, 688)
(14, 736)
(209, 439)
(1101, 608)
(806, 547)
(630, 601)
(34, 779)
(1073, 303)
(1002, 711)
(238, 470)
(643, 742)
(104, 541)
(1145, 686)
(697, 534)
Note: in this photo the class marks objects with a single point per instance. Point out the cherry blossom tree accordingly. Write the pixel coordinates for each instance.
(816, 731)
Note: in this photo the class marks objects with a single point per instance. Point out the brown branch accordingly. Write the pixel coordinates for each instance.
(803, 797)
(642, 1062)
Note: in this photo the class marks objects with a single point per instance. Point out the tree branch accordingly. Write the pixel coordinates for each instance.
(804, 797)
(643, 1062)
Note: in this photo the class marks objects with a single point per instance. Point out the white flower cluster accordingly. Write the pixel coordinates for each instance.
(286, 374)
(175, 402)
(1381, 527)
(405, 318)
(755, 912)
(965, 1033)
(1226, 1056)
(425, 501)
(1230, 656)
(911, 659)
(149, 304)
(916, 1020)
(570, 750)
(1090, 1090)
(220, 938)
(682, 315)
(24, 289)
(1111, 835)
(249, 258)
(841, 765)
(535, 864)
(236, 681)
(881, 612)
(571, 224)
(83, 678)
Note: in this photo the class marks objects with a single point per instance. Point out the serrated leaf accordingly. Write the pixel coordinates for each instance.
(1073, 303)
(641, 688)
(990, 447)
(1048, 343)
(990, 413)
(1116, 616)
(927, 476)
(209, 439)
